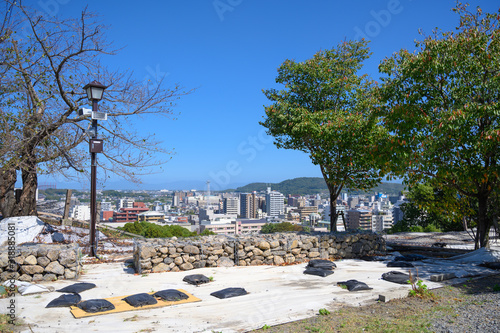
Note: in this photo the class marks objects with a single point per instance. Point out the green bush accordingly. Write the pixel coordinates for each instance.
(151, 230)
(270, 228)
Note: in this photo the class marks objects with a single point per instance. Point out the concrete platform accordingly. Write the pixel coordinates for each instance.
(277, 294)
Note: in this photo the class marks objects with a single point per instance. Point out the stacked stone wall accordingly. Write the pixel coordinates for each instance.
(172, 254)
(40, 262)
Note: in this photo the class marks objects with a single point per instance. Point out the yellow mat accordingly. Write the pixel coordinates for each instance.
(122, 306)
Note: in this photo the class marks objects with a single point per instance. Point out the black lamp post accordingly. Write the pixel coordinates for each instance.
(94, 91)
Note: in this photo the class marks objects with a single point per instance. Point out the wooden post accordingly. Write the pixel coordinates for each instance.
(67, 204)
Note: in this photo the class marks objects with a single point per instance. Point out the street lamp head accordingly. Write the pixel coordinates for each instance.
(94, 90)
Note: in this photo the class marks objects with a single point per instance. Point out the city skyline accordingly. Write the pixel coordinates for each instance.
(229, 51)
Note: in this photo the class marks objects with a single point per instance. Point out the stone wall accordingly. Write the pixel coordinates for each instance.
(172, 254)
(40, 262)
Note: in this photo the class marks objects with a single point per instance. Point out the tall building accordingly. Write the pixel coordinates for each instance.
(231, 205)
(275, 203)
(359, 219)
(81, 212)
(249, 205)
(125, 203)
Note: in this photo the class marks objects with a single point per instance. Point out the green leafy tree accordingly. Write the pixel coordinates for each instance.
(270, 228)
(428, 208)
(44, 63)
(325, 111)
(441, 105)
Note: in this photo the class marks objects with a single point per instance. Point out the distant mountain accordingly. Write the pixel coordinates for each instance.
(313, 185)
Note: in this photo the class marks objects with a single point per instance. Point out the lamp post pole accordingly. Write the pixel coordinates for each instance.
(94, 91)
(93, 186)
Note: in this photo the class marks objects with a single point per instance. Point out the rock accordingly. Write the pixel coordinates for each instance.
(186, 266)
(42, 251)
(69, 274)
(146, 264)
(19, 260)
(178, 261)
(257, 252)
(263, 245)
(278, 260)
(161, 267)
(4, 260)
(274, 244)
(55, 268)
(296, 251)
(156, 261)
(49, 277)
(53, 255)
(294, 244)
(199, 264)
(289, 259)
(57, 237)
(9, 276)
(164, 250)
(191, 249)
(306, 246)
(67, 258)
(217, 252)
(172, 250)
(25, 277)
(147, 252)
(313, 254)
(256, 263)
(176, 269)
(30, 260)
(168, 260)
(32, 269)
(225, 262)
(43, 261)
(37, 277)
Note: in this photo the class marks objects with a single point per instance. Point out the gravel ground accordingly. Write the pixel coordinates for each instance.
(478, 311)
(472, 306)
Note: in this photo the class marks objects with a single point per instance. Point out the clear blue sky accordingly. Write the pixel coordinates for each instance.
(229, 50)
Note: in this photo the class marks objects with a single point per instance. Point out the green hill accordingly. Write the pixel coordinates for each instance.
(312, 185)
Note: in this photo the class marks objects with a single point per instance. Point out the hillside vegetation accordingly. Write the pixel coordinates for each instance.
(313, 185)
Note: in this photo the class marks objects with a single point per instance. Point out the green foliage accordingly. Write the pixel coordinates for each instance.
(325, 111)
(440, 105)
(207, 232)
(151, 230)
(324, 312)
(425, 211)
(496, 287)
(418, 288)
(266, 327)
(270, 228)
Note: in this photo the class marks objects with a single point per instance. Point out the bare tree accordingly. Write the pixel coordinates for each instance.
(44, 63)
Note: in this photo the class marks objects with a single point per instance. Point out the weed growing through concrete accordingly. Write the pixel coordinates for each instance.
(418, 288)
(324, 312)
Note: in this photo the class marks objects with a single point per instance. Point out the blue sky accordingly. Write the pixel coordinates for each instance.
(229, 50)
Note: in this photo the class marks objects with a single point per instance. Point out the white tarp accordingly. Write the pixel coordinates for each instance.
(27, 228)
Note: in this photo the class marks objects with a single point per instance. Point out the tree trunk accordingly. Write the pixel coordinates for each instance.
(8, 179)
(27, 201)
(483, 223)
(333, 211)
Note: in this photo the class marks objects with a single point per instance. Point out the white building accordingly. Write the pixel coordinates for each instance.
(125, 203)
(81, 212)
(275, 203)
(231, 205)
